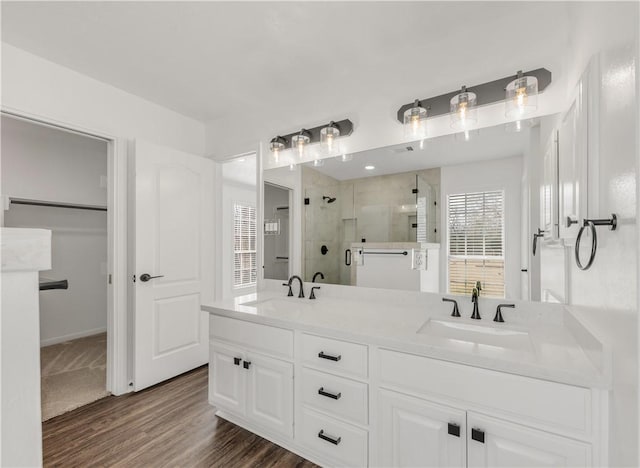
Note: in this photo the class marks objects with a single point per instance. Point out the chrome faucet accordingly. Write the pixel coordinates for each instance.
(475, 294)
(294, 277)
(316, 275)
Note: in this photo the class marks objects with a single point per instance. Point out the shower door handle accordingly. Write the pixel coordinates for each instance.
(347, 257)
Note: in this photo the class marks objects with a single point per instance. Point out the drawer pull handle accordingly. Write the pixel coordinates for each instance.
(246, 364)
(328, 438)
(322, 355)
(335, 396)
(454, 429)
(477, 435)
(237, 360)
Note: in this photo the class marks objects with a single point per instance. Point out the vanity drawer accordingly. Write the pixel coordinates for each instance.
(336, 395)
(551, 404)
(335, 355)
(270, 340)
(336, 440)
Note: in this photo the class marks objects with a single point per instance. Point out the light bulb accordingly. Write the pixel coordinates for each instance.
(276, 145)
(415, 121)
(300, 141)
(521, 96)
(464, 112)
(328, 137)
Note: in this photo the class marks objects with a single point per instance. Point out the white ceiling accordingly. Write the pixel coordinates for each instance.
(210, 60)
(483, 145)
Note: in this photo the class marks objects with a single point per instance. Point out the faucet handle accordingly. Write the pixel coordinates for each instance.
(455, 312)
(478, 286)
(290, 290)
(313, 292)
(498, 317)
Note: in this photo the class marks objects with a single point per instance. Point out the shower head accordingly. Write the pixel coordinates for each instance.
(328, 199)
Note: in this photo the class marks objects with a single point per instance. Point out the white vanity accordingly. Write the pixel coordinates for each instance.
(365, 377)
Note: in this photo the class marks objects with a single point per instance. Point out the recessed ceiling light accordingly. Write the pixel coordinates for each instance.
(369, 168)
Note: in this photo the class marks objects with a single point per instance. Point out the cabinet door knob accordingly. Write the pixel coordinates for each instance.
(246, 364)
(477, 435)
(328, 438)
(237, 361)
(454, 429)
(322, 355)
(323, 392)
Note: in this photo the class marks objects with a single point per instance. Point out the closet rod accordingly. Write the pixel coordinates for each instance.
(24, 201)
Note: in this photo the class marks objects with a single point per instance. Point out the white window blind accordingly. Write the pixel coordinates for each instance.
(476, 242)
(244, 245)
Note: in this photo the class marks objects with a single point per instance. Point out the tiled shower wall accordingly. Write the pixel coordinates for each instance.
(377, 209)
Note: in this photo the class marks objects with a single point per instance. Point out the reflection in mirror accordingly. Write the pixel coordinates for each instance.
(276, 232)
(436, 215)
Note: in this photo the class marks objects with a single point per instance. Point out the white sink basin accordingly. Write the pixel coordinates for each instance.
(496, 336)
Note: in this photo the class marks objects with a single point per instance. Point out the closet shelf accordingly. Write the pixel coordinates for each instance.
(26, 201)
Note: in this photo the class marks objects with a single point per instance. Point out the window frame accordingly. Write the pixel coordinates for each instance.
(234, 252)
(484, 258)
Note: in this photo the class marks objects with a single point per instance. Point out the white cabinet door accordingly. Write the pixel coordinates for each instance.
(496, 443)
(172, 214)
(227, 379)
(270, 392)
(413, 432)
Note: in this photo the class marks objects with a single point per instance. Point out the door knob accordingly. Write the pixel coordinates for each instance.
(146, 277)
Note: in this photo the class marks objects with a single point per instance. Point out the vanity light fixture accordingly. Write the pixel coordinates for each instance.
(276, 145)
(328, 136)
(485, 93)
(521, 96)
(325, 134)
(464, 110)
(415, 121)
(300, 141)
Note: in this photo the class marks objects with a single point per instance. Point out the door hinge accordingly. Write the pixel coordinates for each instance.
(109, 279)
(134, 278)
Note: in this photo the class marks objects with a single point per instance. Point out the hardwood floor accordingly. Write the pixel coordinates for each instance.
(171, 424)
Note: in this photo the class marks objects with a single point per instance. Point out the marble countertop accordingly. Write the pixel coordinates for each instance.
(25, 249)
(553, 344)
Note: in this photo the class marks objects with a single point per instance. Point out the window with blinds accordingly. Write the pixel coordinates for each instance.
(244, 245)
(476, 242)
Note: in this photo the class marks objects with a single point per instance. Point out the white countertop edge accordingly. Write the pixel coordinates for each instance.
(600, 381)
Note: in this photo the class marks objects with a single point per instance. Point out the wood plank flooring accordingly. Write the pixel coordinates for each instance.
(171, 424)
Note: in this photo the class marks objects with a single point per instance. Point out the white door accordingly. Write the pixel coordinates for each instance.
(495, 443)
(270, 393)
(415, 432)
(173, 242)
(227, 378)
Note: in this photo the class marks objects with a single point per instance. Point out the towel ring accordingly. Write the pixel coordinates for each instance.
(592, 223)
(594, 245)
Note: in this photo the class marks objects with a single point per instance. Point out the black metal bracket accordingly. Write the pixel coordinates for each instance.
(345, 126)
(487, 93)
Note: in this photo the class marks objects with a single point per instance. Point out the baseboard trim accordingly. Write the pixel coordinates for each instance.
(72, 336)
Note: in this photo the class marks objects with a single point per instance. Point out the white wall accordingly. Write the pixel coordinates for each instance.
(500, 174)
(42, 88)
(47, 164)
(44, 163)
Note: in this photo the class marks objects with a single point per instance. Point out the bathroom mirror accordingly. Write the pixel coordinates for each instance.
(434, 215)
